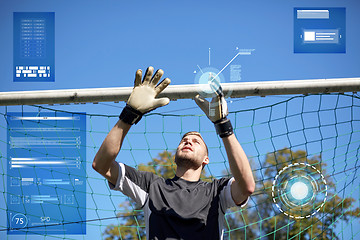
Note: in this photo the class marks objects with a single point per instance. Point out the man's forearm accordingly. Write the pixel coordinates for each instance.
(142, 99)
(110, 148)
(239, 166)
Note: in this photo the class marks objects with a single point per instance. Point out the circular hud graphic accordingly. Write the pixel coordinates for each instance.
(299, 190)
(205, 77)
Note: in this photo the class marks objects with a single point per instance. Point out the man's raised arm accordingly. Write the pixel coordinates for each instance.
(142, 100)
(216, 111)
(244, 184)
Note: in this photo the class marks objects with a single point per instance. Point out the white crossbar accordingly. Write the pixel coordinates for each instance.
(174, 92)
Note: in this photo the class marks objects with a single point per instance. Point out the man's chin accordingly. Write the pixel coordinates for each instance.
(186, 160)
(185, 155)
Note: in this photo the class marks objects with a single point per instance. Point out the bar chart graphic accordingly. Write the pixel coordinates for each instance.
(46, 173)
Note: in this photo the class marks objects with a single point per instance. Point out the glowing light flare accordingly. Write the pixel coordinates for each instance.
(299, 190)
(205, 77)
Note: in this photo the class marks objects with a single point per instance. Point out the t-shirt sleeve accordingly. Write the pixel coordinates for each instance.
(226, 199)
(133, 183)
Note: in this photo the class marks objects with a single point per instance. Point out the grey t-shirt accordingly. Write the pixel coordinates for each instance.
(176, 208)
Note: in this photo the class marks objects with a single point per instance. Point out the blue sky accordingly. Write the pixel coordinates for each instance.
(102, 43)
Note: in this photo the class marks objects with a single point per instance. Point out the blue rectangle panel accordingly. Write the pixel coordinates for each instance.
(45, 167)
(319, 30)
(34, 47)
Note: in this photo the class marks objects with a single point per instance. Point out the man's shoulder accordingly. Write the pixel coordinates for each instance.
(220, 181)
(136, 173)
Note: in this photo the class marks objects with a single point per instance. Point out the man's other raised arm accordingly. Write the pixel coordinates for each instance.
(104, 161)
(142, 100)
(216, 111)
(244, 184)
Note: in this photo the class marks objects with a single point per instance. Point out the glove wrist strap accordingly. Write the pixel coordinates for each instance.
(130, 115)
(223, 127)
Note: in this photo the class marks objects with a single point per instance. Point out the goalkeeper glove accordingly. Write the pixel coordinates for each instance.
(216, 111)
(143, 97)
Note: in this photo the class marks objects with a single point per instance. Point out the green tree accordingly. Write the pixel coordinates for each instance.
(279, 226)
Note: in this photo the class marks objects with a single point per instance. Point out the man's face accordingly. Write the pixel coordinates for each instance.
(191, 152)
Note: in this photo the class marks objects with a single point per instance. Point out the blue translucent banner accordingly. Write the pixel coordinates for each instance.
(34, 47)
(319, 30)
(46, 173)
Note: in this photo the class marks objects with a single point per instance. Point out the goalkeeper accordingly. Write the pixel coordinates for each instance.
(183, 207)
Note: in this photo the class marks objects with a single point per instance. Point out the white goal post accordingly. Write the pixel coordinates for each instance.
(174, 92)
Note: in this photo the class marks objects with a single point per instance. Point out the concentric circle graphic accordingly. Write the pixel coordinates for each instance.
(205, 76)
(299, 190)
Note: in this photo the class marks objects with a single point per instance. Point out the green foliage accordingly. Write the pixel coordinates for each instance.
(163, 166)
(263, 219)
(133, 226)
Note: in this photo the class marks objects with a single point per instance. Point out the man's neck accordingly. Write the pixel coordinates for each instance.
(188, 174)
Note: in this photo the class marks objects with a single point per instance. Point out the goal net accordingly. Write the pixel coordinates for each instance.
(304, 152)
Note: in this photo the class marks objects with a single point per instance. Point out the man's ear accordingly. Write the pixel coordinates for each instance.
(206, 161)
